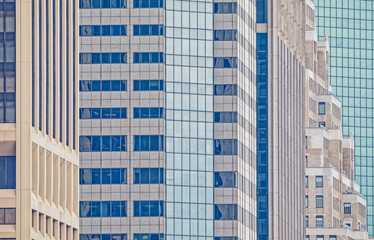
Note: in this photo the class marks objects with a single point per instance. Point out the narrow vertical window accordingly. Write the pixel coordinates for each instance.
(74, 69)
(40, 65)
(67, 74)
(47, 66)
(54, 71)
(33, 62)
(60, 46)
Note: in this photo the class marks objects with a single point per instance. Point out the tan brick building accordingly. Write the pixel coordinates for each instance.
(335, 210)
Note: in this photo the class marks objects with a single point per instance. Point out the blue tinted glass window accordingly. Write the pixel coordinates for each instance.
(148, 57)
(226, 212)
(104, 85)
(148, 112)
(148, 85)
(319, 201)
(225, 8)
(102, 4)
(225, 147)
(148, 143)
(319, 181)
(102, 58)
(104, 113)
(148, 175)
(148, 208)
(226, 89)
(103, 209)
(148, 3)
(225, 117)
(148, 30)
(7, 172)
(119, 236)
(225, 179)
(225, 62)
(347, 208)
(322, 108)
(148, 236)
(102, 143)
(225, 35)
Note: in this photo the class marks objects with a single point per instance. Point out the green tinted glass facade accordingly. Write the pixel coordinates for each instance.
(349, 26)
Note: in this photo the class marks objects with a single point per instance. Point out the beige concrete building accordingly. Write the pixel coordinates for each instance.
(335, 210)
(39, 119)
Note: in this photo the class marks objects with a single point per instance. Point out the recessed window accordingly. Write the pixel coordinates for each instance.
(333, 237)
(7, 172)
(306, 181)
(322, 124)
(319, 181)
(322, 108)
(320, 237)
(307, 221)
(319, 221)
(306, 201)
(347, 208)
(319, 201)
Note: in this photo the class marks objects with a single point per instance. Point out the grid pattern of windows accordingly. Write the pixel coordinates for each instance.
(7, 172)
(7, 216)
(102, 30)
(102, 143)
(102, 209)
(102, 3)
(148, 85)
(112, 236)
(103, 85)
(148, 208)
(148, 175)
(102, 58)
(7, 62)
(349, 25)
(102, 113)
(102, 176)
(148, 30)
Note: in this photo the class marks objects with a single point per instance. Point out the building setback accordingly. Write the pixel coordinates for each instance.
(335, 209)
(39, 170)
(349, 25)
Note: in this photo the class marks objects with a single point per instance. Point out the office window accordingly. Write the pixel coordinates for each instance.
(103, 209)
(7, 216)
(225, 7)
(148, 57)
(225, 62)
(148, 236)
(102, 113)
(148, 143)
(306, 201)
(307, 221)
(306, 181)
(102, 3)
(322, 124)
(102, 58)
(148, 208)
(319, 221)
(322, 108)
(225, 35)
(225, 147)
(319, 201)
(148, 112)
(225, 179)
(113, 236)
(225, 117)
(347, 208)
(148, 175)
(102, 143)
(319, 181)
(148, 85)
(104, 85)
(102, 30)
(149, 30)
(7, 172)
(226, 212)
(226, 89)
(148, 3)
(320, 237)
(333, 237)
(103, 176)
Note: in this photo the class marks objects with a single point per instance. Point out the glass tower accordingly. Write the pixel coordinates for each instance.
(349, 26)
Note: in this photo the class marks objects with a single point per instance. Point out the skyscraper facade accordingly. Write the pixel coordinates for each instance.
(167, 113)
(280, 119)
(39, 175)
(349, 25)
